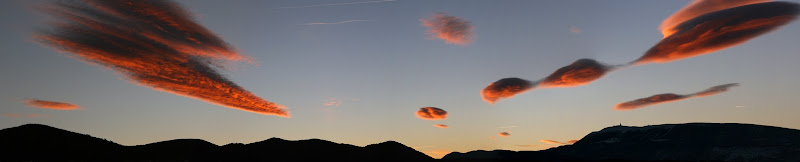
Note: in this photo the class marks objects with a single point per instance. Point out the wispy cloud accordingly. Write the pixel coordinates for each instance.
(332, 23)
(440, 126)
(333, 101)
(50, 104)
(152, 43)
(669, 97)
(335, 4)
(552, 142)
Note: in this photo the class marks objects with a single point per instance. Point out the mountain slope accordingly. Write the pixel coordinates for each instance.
(685, 142)
(36, 142)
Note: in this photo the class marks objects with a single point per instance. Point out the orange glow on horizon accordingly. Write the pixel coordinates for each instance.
(552, 142)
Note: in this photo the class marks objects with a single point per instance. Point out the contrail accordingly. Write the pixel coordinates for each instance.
(335, 4)
(341, 22)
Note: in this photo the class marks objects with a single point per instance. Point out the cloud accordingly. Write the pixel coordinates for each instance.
(552, 142)
(718, 30)
(336, 4)
(669, 97)
(504, 134)
(332, 23)
(505, 88)
(574, 30)
(697, 8)
(451, 29)
(18, 115)
(151, 43)
(333, 102)
(440, 126)
(431, 113)
(580, 72)
(50, 104)
(492, 137)
(572, 141)
(715, 90)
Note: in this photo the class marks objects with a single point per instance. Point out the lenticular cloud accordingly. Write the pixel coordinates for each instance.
(669, 97)
(152, 43)
(431, 113)
(451, 29)
(50, 104)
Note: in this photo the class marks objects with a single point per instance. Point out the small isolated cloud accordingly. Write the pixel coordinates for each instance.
(440, 126)
(740, 106)
(18, 115)
(714, 31)
(505, 88)
(152, 43)
(504, 134)
(431, 113)
(333, 23)
(669, 97)
(574, 30)
(552, 142)
(451, 29)
(334, 102)
(492, 137)
(50, 104)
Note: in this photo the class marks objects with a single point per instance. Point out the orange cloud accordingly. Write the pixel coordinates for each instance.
(451, 29)
(504, 134)
(431, 113)
(718, 30)
(669, 97)
(152, 43)
(505, 88)
(580, 72)
(440, 126)
(552, 142)
(572, 141)
(50, 104)
(697, 8)
(492, 137)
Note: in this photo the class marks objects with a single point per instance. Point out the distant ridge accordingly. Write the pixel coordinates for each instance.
(668, 142)
(42, 142)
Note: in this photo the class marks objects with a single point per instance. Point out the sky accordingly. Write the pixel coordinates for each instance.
(357, 73)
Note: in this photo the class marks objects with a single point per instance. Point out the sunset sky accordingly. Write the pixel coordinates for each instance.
(357, 73)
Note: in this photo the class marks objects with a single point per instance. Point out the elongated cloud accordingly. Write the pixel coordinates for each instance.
(718, 30)
(552, 142)
(440, 126)
(504, 134)
(451, 29)
(431, 113)
(332, 23)
(153, 43)
(669, 97)
(50, 104)
(572, 141)
(505, 88)
(580, 72)
(697, 8)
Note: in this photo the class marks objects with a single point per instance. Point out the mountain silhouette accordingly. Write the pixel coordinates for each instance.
(668, 142)
(41, 142)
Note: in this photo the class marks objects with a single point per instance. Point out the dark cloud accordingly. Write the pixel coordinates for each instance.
(505, 88)
(669, 97)
(50, 104)
(431, 113)
(718, 30)
(153, 43)
(580, 72)
(504, 134)
(451, 29)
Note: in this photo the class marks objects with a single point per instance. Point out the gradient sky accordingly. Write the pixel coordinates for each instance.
(384, 68)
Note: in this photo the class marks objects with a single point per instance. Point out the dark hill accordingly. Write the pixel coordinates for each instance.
(41, 142)
(683, 142)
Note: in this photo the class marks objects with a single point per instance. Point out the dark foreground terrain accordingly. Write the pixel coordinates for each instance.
(669, 142)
